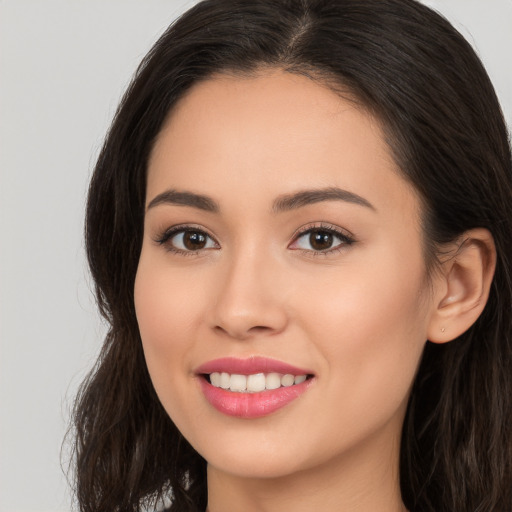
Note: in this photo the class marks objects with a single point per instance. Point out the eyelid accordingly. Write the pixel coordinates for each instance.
(166, 235)
(344, 235)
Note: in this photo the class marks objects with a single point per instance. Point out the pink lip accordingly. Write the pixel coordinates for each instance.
(256, 364)
(251, 405)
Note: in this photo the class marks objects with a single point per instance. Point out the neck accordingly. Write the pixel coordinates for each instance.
(365, 480)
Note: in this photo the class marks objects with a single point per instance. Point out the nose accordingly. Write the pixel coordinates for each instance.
(250, 301)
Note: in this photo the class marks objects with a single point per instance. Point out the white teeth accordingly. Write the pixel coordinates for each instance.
(225, 379)
(238, 382)
(273, 381)
(215, 379)
(287, 380)
(300, 379)
(254, 383)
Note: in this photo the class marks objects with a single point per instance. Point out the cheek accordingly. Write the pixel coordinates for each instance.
(167, 304)
(168, 311)
(371, 328)
(381, 295)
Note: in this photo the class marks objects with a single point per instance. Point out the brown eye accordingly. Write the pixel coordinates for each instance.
(194, 240)
(188, 240)
(321, 240)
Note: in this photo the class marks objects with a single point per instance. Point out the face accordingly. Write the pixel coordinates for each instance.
(280, 244)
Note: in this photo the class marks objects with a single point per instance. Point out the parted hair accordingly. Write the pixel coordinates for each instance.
(410, 68)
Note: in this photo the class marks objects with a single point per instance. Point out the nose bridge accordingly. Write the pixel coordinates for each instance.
(248, 300)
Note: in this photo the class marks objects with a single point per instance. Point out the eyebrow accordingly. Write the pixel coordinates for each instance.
(176, 197)
(283, 203)
(306, 197)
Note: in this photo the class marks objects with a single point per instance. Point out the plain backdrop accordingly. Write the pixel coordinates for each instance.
(63, 67)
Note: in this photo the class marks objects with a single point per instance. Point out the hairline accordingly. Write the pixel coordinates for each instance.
(333, 82)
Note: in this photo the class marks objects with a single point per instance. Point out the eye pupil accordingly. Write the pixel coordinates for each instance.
(194, 240)
(320, 240)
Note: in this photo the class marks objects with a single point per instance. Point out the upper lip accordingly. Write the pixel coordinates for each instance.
(250, 366)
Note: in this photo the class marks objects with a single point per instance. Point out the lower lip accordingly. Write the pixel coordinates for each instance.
(252, 405)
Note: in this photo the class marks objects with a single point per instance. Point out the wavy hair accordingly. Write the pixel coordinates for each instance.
(408, 66)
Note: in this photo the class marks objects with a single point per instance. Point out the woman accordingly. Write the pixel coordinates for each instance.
(299, 231)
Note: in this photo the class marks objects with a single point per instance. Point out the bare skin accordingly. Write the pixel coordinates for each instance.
(355, 310)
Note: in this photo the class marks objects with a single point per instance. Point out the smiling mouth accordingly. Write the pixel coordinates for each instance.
(254, 383)
(252, 387)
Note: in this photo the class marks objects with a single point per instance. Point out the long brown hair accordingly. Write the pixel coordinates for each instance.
(417, 74)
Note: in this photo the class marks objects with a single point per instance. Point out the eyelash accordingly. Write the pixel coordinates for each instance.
(345, 238)
(167, 235)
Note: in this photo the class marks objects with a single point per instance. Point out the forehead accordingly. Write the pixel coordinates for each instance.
(273, 133)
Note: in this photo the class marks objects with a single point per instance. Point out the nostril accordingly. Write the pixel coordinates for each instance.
(259, 328)
(242, 333)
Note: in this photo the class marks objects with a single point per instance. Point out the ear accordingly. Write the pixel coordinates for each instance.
(462, 288)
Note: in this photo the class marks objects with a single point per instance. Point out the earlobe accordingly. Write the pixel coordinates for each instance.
(463, 286)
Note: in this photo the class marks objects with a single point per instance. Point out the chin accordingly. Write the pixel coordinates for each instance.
(249, 454)
(255, 467)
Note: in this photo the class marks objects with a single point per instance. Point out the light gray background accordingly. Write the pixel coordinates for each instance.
(63, 67)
